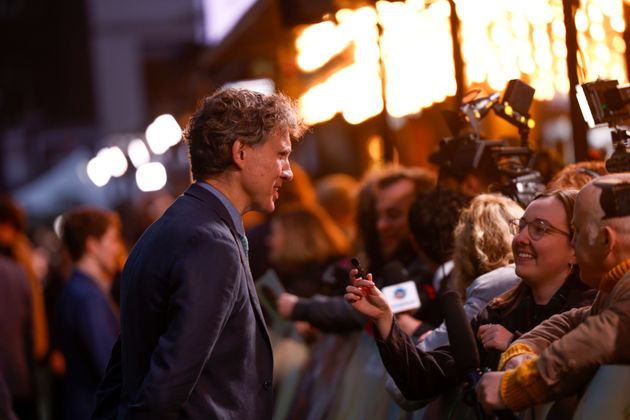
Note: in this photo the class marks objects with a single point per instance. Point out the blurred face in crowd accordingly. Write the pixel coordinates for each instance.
(392, 207)
(549, 257)
(265, 168)
(275, 240)
(588, 237)
(107, 250)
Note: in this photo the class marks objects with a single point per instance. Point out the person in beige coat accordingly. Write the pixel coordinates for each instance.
(560, 356)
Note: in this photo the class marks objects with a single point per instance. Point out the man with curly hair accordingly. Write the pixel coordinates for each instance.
(193, 339)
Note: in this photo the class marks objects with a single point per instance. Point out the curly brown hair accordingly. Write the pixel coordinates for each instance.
(231, 114)
(483, 238)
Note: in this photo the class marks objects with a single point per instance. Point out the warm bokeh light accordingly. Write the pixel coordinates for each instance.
(503, 40)
(318, 43)
(151, 176)
(375, 150)
(500, 40)
(601, 40)
(410, 32)
(354, 90)
(417, 54)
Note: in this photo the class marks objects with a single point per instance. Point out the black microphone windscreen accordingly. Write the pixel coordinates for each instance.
(394, 272)
(460, 335)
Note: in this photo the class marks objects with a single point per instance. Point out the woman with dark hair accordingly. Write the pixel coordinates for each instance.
(545, 261)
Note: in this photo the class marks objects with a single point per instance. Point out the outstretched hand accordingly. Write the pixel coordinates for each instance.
(367, 299)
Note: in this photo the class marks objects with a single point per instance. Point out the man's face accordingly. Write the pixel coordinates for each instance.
(586, 239)
(107, 251)
(265, 168)
(392, 208)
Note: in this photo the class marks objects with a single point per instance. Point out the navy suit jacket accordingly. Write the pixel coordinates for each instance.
(87, 326)
(193, 341)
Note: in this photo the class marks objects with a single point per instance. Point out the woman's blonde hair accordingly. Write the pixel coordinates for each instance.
(310, 235)
(483, 238)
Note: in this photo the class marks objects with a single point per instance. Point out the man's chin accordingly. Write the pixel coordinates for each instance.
(266, 209)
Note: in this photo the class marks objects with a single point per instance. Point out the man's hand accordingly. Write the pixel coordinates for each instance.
(285, 304)
(494, 337)
(489, 392)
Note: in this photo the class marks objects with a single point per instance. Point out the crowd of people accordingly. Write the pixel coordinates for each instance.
(217, 312)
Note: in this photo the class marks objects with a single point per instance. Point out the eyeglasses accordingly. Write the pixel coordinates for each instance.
(537, 228)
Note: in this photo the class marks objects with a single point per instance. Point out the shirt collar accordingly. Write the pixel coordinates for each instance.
(234, 213)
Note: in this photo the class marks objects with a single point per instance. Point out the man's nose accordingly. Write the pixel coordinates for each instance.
(287, 173)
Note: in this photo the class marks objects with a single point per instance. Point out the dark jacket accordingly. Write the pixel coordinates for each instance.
(87, 326)
(193, 341)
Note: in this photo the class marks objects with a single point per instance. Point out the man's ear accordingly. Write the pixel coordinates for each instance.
(608, 239)
(238, 153)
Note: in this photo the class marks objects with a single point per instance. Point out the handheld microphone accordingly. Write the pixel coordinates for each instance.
(464, 349)
(357, 265)
(462, 341)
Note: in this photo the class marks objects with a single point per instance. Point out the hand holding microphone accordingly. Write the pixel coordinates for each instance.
(367, 299)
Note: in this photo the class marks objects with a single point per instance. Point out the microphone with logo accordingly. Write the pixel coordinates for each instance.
(400, 290)
(464, 349)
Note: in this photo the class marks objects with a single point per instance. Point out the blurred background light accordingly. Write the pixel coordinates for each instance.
(138, 152)
(163, 133)
(97, 170)
(116, 161)
(151, 176)
(264, 86)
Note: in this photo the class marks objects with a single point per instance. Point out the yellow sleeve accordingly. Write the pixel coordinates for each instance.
(514, 350)
(523, 386)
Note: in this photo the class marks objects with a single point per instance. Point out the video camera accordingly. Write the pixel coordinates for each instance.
(604, 102)
(508, 167)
